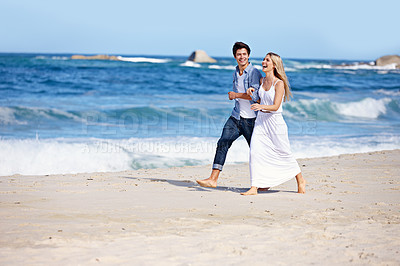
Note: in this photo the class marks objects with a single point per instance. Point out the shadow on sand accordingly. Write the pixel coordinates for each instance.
(196, 187)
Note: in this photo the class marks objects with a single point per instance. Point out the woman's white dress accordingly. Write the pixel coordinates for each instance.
(271, 161)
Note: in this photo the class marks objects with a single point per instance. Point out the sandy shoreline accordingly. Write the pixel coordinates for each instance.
(350, 214)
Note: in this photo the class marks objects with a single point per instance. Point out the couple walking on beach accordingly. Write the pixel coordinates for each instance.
(257, 116)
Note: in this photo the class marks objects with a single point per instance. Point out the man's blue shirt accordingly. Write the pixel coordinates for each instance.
(251, 79)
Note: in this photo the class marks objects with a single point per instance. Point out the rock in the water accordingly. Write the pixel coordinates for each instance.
(388, 60)
(96, 57)
(201, 56)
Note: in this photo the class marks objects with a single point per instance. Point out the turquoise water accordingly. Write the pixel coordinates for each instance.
(59, 115)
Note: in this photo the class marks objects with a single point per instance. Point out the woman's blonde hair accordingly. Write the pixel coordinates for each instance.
(279, 72)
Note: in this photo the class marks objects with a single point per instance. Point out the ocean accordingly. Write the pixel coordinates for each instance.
(59, 115)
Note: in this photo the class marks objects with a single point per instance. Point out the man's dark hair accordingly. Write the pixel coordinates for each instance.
(240, 45)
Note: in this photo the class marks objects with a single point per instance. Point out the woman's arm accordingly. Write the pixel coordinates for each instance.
(279, 91)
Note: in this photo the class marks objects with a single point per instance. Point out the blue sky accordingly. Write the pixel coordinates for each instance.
(352, 29)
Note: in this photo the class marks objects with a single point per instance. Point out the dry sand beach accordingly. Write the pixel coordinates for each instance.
(349, 215)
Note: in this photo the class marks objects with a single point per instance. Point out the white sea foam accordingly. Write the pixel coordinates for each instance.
(60, 58)
(355, 66)
(59, 156)
(190, 64)
(143, 60)
(388, 92)
(309, 66)
(50, 156)
(320, 146)
(56, 156)
(327, 110)
(366, 108)
(8, 115)
(222, 67)
(52, 57)
(367, 66)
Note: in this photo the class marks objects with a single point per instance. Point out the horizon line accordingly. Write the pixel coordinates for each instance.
(115, 54)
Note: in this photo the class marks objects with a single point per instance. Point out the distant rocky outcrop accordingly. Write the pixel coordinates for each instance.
(96, 57)
(201, 56)
(388, 60)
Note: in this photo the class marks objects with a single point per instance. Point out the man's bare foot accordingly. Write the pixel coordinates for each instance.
(211, 181)
(207, 182)
(251, 191)
(263, 189)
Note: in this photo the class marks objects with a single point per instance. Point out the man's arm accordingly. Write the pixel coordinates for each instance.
(237, 95)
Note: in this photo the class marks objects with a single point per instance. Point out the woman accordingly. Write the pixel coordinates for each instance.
(271, 161)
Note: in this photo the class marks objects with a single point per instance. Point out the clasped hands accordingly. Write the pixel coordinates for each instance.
(233, 95)
(256, 106)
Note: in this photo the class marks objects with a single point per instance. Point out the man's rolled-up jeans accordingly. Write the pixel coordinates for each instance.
(233, 129)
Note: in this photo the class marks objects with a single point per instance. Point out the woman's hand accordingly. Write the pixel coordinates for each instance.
(250, 91)
(257, 107)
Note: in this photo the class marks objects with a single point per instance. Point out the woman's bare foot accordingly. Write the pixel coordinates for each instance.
(301, 184)
(251, 191)
(209, 182)
(301, 187)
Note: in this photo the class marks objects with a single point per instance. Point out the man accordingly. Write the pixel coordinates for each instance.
(241, 122)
